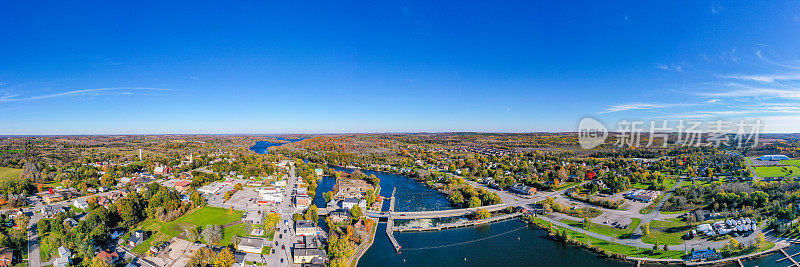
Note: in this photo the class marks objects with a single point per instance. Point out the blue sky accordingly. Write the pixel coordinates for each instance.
(324, 67)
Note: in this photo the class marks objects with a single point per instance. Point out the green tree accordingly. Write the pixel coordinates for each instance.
(482, 214)
(311, 213)
(474, 202)
(355, 211)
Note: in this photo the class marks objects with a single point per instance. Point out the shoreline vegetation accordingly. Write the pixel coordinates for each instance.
(624, 252)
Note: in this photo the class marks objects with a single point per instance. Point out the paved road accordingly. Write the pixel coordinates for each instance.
(34, 257)
(647, 218)
(286, 224)
(697, 244)
(468, 211)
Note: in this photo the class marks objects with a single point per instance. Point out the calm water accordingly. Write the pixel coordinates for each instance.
(507, 243)
(262, 147)
(411, 195)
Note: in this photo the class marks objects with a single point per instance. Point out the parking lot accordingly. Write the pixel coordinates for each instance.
(175, 254)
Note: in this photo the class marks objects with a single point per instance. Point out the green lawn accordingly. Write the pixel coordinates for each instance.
(229, 232)
(45, 251)
(9, 173)
(623, 249)
(607, 230)
(565, 186)
(793, 162)
(775, 171)
(652, 206)
(76, 209)
(697, 183)
(668, 232)
(668, 184)
(198, 217)
(201, 217)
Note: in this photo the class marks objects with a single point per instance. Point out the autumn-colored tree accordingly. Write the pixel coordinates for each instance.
(225, 258)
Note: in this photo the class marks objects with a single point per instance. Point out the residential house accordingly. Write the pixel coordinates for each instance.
(6, 257)
(108, 257)
(137, 238)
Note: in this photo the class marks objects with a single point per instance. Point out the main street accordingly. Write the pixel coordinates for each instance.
(284, 234)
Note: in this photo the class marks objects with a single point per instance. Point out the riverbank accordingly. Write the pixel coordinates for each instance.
(635, 254)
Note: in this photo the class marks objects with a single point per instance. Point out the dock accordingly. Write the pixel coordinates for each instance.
(390, 223)
(794, 262)
(458, 224)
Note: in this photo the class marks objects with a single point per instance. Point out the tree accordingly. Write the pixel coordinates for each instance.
(212, 234)
(355, 211)
(297, 217)
(99, 262)
(311, 213)
(474, 202)
(43, 226)
(328, 196)
(456, 198)
(225, 258)
(586, 223)
(645, 228)
(482, 214)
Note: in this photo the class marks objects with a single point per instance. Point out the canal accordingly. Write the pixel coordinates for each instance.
(507, 243)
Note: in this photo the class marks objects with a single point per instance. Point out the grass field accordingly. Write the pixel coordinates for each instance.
(668, 232)
(775, 171)
(201, 217)
(623, 249)
(8, 173)
(198, 217)
(668, 184)
(607, 230)
(792, 162)
(697, 183)
(653, 204)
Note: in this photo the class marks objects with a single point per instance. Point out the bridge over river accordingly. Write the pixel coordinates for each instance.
(507, 202)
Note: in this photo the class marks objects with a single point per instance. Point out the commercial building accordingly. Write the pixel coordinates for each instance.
(308, 251)
(349, 203)
(773, 157)
(643, 195)
(302, 201)
(708, 254)
(304, 228)
(522, 189)
(351, 188)
(251, 244)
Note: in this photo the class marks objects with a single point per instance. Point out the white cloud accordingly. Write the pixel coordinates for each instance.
(671, 67)
(766, 78)
(13, 98)
(641, 106)
(761, 56)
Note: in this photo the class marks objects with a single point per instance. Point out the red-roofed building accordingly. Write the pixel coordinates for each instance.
(109, 257)
(6, 257)
(182, 185)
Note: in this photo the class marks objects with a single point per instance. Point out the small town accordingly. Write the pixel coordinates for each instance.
(399, 133)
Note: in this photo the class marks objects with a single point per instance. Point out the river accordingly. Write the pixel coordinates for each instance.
(507, 243)
(262, 147)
